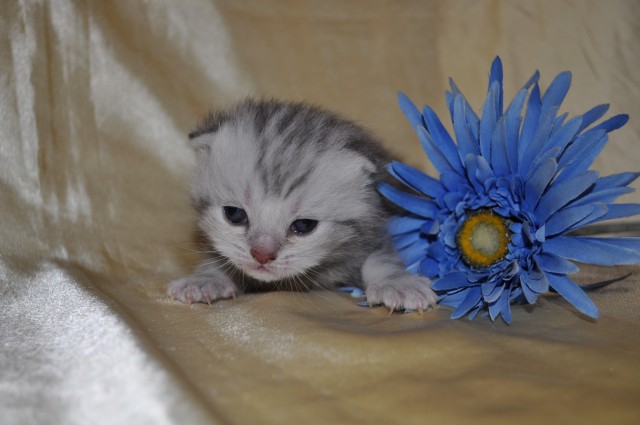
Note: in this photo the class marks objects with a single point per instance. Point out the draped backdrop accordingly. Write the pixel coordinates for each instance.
(96, 99)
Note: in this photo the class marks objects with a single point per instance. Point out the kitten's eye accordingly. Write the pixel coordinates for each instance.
(303, 226)
(236, 215)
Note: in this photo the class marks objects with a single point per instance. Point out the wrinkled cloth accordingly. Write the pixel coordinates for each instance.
(96, 99)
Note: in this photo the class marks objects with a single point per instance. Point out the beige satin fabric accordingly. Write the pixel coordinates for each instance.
(96, 98)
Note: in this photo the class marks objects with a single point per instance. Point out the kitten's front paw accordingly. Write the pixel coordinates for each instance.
(407, 293)
(201, 289)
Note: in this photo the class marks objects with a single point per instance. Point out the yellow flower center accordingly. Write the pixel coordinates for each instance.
(483, 239)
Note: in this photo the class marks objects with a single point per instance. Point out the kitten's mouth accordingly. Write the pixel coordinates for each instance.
(261, 272)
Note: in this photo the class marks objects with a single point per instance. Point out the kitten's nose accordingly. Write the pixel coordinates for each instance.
(263, 256)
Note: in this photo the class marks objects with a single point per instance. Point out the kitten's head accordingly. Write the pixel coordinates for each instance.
(282, 188)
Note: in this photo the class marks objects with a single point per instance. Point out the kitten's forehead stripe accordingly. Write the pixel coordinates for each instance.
(286, 119)
(260, 167)
(262, 112)
(299, 181)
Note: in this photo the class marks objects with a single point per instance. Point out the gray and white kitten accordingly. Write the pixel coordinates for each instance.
(286, 195)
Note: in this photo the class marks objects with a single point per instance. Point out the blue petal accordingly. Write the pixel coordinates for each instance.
(600, 251)
(541, 234)
(592, 115)
(516, 295)
(513, 122)
(535, 281)
(565, 134)
(442, 137)
(415, 269)
(505, 306)
(470, 116)
(558, 123)
(429, 267)
(500, 155)
(494, 309)
(599, 210)
(431, 227)
(416, 179)
(567, 218)
(496, 77)
(470, 301)
(466, 142)
(451, 281)
(542, 157)
(405, 239)
(410, 111)
(555, 264)
(452, 199)
(612, 123)
(484, 171)
(488, 121)
(436, 250)
(625, 242)
(605, 196)
(529, 295)
(474, 312)
(532, 80)
(608, 189)
(511, 270)
(404, 224)
(538, 182)
(439, 159)
(582, 144)
(560, 194)
(620, 211)
(449, 97)
(556, 92)
(574, 294)
(411, 203)
(614, 180)
(491, 295)
(472, 172)
(453, 182)
(414, 252)
(538, 141)
(583, 158)
(453, 299)
(531, 119)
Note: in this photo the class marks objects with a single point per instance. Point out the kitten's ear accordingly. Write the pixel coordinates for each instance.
(201, 142)
(202, 136)
(210, 124)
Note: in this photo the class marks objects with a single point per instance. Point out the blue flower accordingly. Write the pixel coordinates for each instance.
(493, 229)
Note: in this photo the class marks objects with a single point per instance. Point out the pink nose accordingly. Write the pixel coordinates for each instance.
(263, 257)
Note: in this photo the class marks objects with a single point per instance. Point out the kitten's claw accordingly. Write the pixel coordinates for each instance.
(410, 292)
(201, 289)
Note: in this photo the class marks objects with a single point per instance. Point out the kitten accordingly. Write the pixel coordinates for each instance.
(286, 194)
